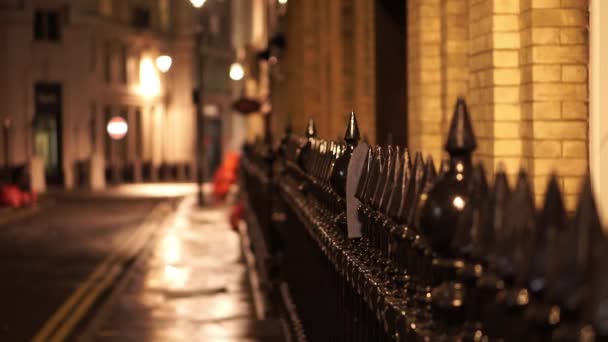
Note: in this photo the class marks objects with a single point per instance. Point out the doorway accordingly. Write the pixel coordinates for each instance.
(48, 139)
(391, 105)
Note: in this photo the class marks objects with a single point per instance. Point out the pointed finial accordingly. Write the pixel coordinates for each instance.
(417, 184)
(407, 160)
(364, 173)
(551, 224)
(374, 176)
(493, 236)
(311, 130)
(389, 175)
(553, 213)
(587, 213)
(430, 173)
(520, 227)
(461, 138)
(399, 196)
(352, 130)
(395, 190)
(593, 249)
(444, 166)
(479, 204)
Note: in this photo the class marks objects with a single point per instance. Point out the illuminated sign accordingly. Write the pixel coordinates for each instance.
(117, 128)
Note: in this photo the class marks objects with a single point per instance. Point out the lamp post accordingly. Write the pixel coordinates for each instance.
(200, 129)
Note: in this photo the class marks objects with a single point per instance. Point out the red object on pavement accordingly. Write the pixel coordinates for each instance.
(12, 196)
(225, 175)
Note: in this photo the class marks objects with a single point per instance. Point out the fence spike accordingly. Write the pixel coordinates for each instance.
(364, 174)
(519, 228)
(352, 135)
(461, 138)
(551, 223)
(311, 129)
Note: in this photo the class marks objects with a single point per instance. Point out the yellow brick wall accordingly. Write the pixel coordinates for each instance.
(554, 58)
(521, 64)
(328, 67)
(455, 56)
(424, 76)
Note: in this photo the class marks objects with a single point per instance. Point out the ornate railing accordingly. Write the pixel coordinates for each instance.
(375, 245)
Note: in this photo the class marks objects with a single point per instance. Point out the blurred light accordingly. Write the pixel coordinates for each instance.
(282, 2)
(163, 63)
(198, 3)
(236, 71)
(175, 277)
(273, 60)
(149, 82)
(117, 128)
(172, 249)
(458, 202)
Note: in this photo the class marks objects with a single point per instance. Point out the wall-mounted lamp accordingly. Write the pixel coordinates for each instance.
(163, 63)
(198, 3)
(236, 71)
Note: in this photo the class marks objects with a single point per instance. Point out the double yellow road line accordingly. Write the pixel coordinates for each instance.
(62, 323)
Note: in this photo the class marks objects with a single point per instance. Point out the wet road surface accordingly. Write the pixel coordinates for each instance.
(44, 258)
(191, 285)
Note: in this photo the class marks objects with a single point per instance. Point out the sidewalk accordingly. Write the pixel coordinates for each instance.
(191, 285)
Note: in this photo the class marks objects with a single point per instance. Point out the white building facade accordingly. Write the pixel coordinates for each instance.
(69, 66)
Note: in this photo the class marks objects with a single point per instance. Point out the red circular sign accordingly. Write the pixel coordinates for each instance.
(117, 128)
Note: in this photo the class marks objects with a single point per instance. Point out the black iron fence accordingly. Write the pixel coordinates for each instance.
(377, 245)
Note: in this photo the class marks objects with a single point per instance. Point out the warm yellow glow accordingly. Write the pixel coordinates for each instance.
(282, 2)
(149, 80)
(163, 63)
(198, 3)
(458, 202)
(236, 72)
(175, 277)
(172, 249)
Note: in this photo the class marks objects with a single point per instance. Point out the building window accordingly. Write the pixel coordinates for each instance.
(141, 18)
(47, 25)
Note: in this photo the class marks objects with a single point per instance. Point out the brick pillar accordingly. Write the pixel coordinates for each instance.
(311, 64)
(424, 76)
(335, 62)
(495, 81)
(554, 59)
(364, 67)
(454, 56)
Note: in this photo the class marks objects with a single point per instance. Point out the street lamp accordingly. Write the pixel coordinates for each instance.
(200, 130)
(163, 63)
(236, 71)
(198, 3)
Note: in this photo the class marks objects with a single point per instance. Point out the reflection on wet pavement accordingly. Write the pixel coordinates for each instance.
(191, 287)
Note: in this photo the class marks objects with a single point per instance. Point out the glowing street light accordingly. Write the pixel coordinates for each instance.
(236, 71)
(163, 63)
(198, 3)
